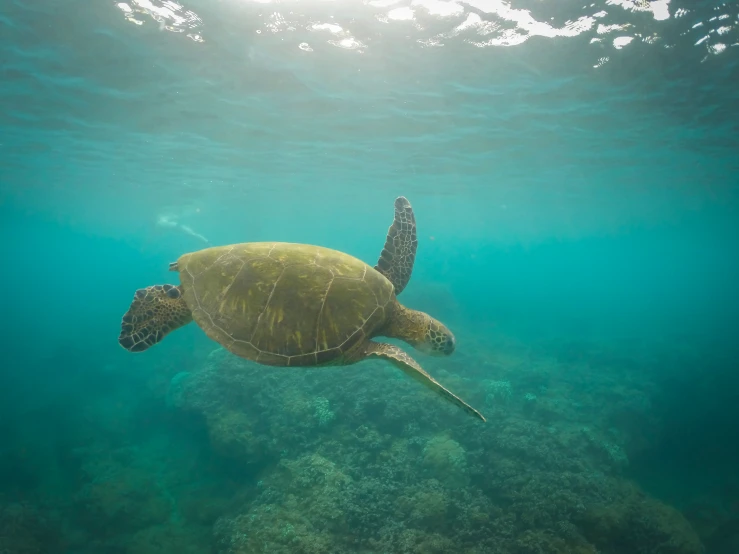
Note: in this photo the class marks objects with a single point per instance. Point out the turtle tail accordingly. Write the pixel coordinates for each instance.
(154, 312)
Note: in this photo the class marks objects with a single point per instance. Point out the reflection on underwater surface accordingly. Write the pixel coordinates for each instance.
(399, 117)
(573, 168)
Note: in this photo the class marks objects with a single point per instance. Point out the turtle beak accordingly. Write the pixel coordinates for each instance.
(448, 346)
(451, 345)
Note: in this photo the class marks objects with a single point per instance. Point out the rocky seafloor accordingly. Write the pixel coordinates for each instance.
(228, 457)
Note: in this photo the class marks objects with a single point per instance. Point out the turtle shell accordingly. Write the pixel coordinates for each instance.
(285, 304)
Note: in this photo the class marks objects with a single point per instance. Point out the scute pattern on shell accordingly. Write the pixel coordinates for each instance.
(285, 304)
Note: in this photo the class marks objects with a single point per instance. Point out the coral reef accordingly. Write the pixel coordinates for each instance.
(390, 474)
(249, 459)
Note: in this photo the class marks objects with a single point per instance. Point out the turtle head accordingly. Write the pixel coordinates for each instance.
(438, 339)
(422, 331)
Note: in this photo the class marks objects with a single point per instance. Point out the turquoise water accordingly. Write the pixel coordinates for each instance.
(573, 173)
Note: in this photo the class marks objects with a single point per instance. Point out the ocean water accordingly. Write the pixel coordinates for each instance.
(573, 172)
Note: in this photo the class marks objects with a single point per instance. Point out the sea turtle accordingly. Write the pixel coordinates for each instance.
(286, 304)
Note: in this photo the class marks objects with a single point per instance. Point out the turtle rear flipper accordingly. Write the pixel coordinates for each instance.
(154, 312)
(410, 367)
(396, 259)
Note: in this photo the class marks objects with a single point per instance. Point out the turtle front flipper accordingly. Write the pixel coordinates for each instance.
(154, 312)
(396, 259)
(411, 368)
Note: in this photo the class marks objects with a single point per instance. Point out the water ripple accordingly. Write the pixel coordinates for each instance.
(503, 99)
(169, 15)
(433, 23)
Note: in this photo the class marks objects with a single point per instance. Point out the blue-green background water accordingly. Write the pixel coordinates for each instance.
(576, 197)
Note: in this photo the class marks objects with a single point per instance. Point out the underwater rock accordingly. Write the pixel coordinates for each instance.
(173, 396)
(118, 496)
(725, 538)
(26, 530)
(231, 435)
(298, 512)
(633, 522)
(168, 539)
(425, 504)
(446, 458)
